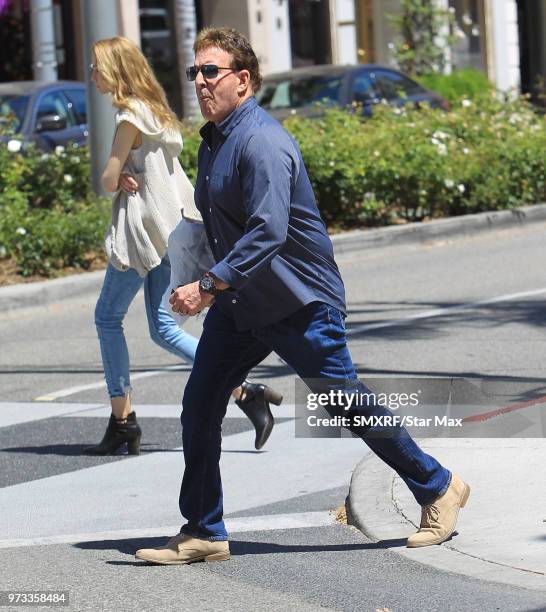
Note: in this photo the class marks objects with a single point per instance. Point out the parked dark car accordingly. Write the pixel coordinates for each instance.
(303, 89)
(46, 114)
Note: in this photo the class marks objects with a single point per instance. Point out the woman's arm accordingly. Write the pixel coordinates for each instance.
(125, 137)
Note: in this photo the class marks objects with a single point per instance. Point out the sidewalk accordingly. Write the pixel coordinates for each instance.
(501, 531)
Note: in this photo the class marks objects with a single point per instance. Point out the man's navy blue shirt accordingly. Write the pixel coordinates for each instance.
(261, 218)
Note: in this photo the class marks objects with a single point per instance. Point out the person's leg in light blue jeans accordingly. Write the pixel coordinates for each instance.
(118, 291)
(164, 330)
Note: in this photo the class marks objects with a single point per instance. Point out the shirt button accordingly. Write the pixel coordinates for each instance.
(210, 209)
(206, 178)
(234, 301)
(215, 241)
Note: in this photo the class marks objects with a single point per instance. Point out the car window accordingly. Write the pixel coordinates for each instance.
(12, 110)
(54, 104)
(78, 103)
(295, 93)
(395, 85)
(363, 88)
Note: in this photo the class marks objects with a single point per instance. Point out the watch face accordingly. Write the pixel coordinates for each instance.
(207, 284)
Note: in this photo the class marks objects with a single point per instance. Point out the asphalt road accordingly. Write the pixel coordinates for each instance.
(72, 522)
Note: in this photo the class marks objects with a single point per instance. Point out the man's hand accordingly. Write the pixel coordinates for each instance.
(188, 300)
(127, 183)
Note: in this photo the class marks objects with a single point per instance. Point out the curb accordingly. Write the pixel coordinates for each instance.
(442, 228)
(45, 293)
(371, 509)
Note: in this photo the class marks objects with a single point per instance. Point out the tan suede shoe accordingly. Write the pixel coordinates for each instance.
(438, 519)
(183, 548)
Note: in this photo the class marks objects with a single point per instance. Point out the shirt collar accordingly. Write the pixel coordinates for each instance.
(226, 126)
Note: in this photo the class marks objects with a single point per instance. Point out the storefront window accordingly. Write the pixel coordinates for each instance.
(469, 49)
(15, 51)
(309, 32)
(157, 34)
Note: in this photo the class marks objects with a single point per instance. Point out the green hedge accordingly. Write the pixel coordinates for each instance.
(468, 83)
(49, 217)
(401, 165)
(410, 165)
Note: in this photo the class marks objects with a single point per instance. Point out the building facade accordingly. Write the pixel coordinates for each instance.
(506, 39)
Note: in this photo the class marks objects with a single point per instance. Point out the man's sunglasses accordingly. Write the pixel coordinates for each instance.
(209, 71)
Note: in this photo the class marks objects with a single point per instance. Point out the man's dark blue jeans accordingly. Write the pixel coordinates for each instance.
(312, 341)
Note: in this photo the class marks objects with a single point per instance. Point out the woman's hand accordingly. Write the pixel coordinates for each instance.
(127, 183)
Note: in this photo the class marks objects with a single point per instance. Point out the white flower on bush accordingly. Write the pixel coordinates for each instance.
(466, 102)
(67, 178)
(438, 134)
(449, 183)
(376, 153)
(3, 252)
(466, 151)
(467, 19)
(369, 195)
(459, 33)
(14, 146)
(435, 141)
(332, 164)
(75, 159)
(59, 150)
(461, 188)
(442, 149)
(21, 231)
(45, 157)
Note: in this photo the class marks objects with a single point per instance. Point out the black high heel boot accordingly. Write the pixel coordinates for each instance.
(255, 404)
(116, 434)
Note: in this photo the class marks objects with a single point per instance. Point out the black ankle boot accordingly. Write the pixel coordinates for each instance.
(255, 404)
(117, 434)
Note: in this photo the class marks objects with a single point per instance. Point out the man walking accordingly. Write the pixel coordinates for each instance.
(275, 287)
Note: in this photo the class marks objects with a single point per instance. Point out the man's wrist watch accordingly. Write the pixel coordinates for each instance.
(207, 285)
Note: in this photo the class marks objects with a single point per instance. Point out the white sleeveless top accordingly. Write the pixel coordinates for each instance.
(141, 223)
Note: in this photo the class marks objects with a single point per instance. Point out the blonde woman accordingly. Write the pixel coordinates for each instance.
(152, 197)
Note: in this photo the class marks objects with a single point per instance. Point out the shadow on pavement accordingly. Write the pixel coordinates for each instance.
(529, 312)
(238, 548)
(76, 450)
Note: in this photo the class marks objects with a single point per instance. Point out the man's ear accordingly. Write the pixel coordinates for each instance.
(244, 82)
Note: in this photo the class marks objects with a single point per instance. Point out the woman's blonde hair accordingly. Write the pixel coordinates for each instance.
(128, 75)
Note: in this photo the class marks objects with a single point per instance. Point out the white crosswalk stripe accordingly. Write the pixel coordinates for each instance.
(140, 495)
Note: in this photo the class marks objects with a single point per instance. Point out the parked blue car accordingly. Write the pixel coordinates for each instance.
(46, 114)
(304, 89)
